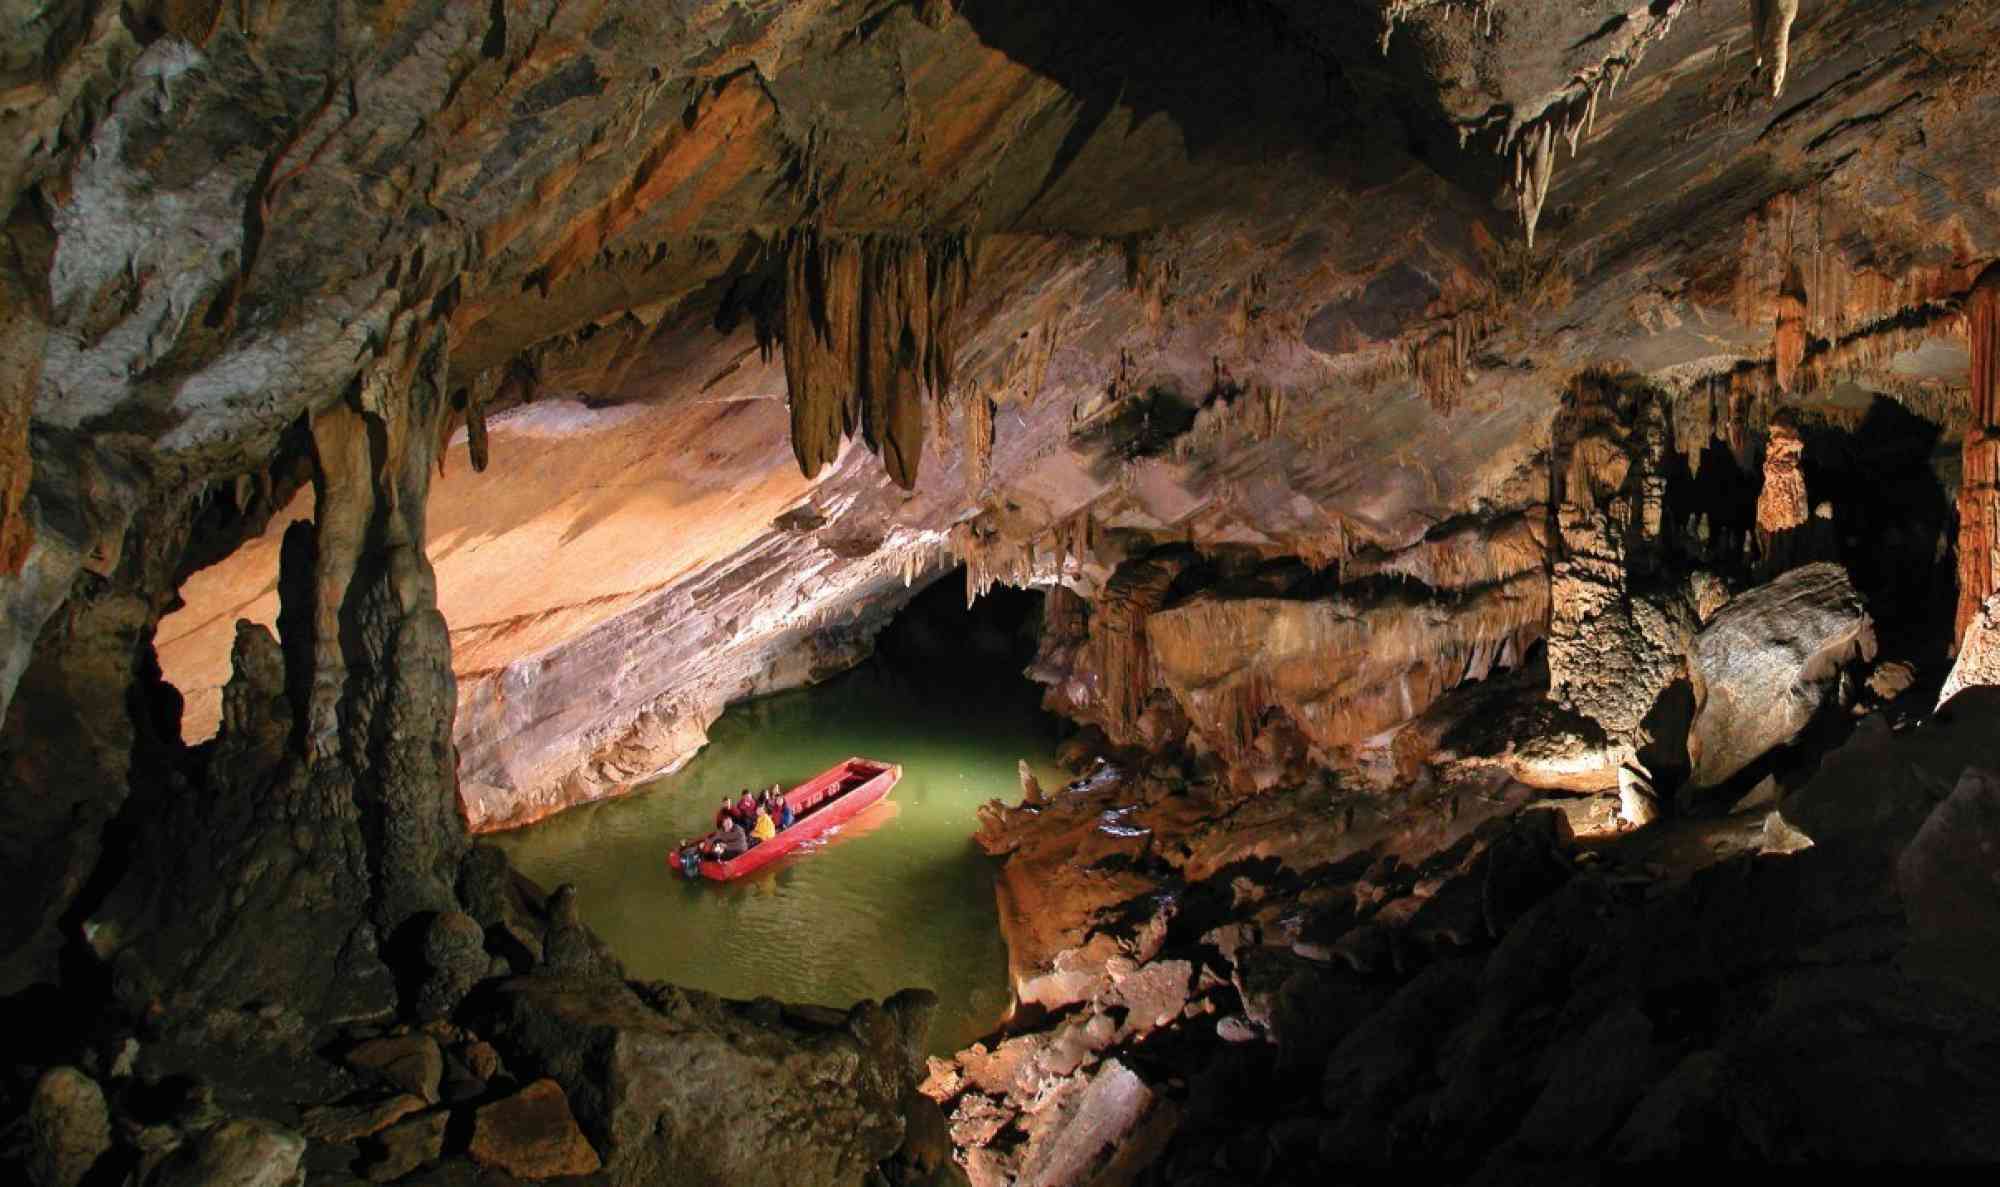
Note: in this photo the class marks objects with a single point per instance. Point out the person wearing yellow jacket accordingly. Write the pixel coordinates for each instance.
(765, 828)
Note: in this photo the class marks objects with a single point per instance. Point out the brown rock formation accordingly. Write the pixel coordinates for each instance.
(1237, 370)
(1782, 510)
(868, 337)
(1979, 492)
(1616, 639)
(531, 1135)
(1978, 660)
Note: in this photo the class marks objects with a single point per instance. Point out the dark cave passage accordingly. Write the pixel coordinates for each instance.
(897, 897)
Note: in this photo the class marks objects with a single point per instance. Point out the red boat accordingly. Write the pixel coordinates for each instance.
(829, 798)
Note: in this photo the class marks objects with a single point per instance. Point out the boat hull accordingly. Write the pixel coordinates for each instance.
(828, 799)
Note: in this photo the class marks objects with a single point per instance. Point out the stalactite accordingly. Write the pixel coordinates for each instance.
(1438, 361)
(1534, 166)
(1789, 346)
(978, 444)
(867, 339)
(475, 430)
(1771, 24)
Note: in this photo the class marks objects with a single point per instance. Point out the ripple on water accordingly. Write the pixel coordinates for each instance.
(899, 897)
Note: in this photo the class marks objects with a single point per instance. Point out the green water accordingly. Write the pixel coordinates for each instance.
(899, 896)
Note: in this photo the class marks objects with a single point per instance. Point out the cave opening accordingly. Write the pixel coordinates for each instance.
(900, 895)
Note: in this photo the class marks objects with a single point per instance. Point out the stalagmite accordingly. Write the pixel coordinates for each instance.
(1979, 492)
(1782, 510)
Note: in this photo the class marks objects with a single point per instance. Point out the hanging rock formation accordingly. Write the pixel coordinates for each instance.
(868, 339)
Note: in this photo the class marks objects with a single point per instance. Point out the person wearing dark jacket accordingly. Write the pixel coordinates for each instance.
(725, 812)
(730, 841)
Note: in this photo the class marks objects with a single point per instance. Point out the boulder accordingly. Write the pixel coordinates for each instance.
(1765, 664)
(403, 1148)
(1099, 1123)
(344, 1123)
(410, 1062)
(532, 1135)
(243, 1153)
(69, 1128)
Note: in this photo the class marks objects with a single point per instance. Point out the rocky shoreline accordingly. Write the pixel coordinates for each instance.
(1315, 981)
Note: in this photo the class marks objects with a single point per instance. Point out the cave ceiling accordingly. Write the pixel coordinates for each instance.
(1251, 273)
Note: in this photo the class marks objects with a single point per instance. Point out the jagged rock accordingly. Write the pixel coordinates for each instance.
(482, 1060)
(69, 1128)
(1593, 1081)
(1891, 679)
(1950, 881)
(1764, 795)
(403, 1148)
(344, 1123)
(1767, 662)
(647, 1081)
(571, 948)
(1678, 1115)
(531, 1135)
(1872, 794)
(455, 956)
(1101, 1120)
(240, 1153)
(1638, 802)
(1031, 788)
(410, 1062)
(1978, 661)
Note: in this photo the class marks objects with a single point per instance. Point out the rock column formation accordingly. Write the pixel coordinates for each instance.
(1615, 643)
(325, 827)
(1979, 493)
(1782, 510)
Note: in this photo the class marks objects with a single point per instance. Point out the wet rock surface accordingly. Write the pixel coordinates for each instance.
(1416, 558)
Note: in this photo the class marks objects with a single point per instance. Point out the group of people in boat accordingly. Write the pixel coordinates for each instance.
(740, 825)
